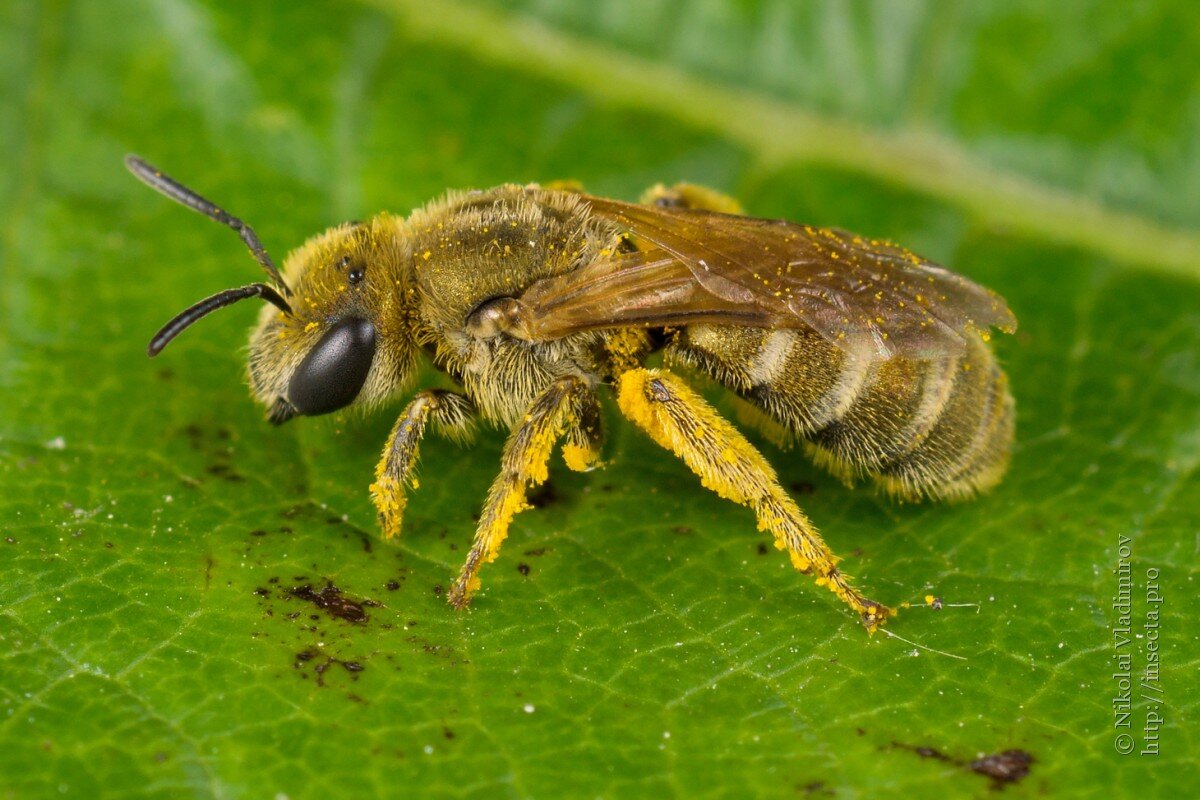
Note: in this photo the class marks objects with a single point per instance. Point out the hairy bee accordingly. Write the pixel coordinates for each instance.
(532, 298)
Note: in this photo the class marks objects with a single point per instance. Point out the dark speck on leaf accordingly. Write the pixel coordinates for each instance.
(1003, 768)
(523, 569)
(393, 585)
(682, 530)
(537, 551)
(262, 591)
(803, 487)
(1009, 766)
(763, 549)
(258, 532)
(331, 600)
(543, 495)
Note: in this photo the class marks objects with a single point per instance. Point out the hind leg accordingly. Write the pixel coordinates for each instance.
(690, 195)
(681, 421)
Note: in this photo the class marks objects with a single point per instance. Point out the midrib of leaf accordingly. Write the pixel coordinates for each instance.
(776, 131)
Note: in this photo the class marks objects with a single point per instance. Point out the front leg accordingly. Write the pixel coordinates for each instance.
(682, 422)
(396, 471)
(567, 407)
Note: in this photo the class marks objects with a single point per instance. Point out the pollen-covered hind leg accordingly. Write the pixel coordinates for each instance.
(682, 422)
(690, 195)
(396, 471)
(563, 409)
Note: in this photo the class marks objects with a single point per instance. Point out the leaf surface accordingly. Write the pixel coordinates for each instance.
(167, 622)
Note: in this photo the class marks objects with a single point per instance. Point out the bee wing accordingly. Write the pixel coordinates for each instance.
(700, 266)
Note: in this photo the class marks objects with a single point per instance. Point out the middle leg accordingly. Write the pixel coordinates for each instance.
(567, 408)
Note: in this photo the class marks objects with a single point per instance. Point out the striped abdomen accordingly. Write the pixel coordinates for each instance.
(936, 428)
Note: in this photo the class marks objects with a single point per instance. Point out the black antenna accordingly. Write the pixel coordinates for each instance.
(175, 190)
(189, 316)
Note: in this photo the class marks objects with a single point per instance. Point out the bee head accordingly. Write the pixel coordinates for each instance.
(334, 333)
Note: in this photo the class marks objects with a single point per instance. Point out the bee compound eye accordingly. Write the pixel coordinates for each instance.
(334, 371)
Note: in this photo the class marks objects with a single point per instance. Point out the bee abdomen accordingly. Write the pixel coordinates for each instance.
(937, 428)
(918, 427)
(967, 450)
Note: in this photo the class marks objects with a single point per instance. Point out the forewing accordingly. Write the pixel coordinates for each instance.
(694, 266)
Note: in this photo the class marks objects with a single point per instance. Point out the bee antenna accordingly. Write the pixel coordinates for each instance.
(186, 318)
(166, 185)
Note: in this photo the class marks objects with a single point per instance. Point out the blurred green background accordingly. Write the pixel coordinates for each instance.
(631, 640)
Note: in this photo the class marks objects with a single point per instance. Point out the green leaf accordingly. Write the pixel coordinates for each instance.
(156, 638)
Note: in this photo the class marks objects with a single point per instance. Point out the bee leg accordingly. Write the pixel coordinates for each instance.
(681, 421)
(584, 437)
(557, 411)
(690, 195)
(396, 471)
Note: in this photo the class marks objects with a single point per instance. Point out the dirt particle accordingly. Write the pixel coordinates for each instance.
(226, 472)
(1003, 768)
(447, 733)
(924, 752)
(763, 549)
(322, 664)
(537, 551)
(333, 602)
(262, 591)
(393, 585)
(258, 532)
(523, 568)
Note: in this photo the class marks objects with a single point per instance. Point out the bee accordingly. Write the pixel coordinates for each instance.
(536, 299)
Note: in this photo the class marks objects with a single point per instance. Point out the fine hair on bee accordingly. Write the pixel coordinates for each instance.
(535, 299)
